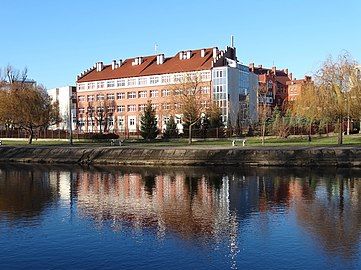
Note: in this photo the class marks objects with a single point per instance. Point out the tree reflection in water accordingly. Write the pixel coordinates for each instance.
(208, 206)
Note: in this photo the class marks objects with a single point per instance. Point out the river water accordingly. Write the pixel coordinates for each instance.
(54, 217)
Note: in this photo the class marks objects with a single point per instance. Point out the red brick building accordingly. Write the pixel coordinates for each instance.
(294, 87)
(272, 87)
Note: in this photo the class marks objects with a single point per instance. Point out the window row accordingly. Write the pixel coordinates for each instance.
(143, 81)
(131, 95)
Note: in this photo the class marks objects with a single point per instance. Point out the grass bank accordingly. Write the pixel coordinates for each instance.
(331, 140)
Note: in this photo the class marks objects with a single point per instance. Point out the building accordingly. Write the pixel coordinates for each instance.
(114, 96)
(294, 87)
(272, 85)
(63, 96)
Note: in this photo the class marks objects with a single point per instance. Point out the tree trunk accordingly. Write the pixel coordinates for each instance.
(263, 131)
(31, 136)
(190, 134)
(340, 137)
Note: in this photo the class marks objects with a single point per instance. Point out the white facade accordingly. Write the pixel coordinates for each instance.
(235, 90)
(63, 95)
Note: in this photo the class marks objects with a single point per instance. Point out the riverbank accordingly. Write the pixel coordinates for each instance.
(345, 156)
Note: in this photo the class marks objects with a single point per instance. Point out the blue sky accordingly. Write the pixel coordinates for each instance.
(56, 40)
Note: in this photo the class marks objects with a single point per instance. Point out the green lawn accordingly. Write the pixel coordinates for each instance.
(251, 141)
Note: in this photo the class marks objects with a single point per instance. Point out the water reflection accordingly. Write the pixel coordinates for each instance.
(204, 206)
(24, 194)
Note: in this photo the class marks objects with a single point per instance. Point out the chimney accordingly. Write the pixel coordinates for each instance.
(232, 41)
(274, 70)
(290, 76)
(251, 66)
(259, 66)
(160, 59)
(189, 54)
(215, 50)
(99, 66)
(114, 64)
(137, 61)
(181, 55)
(203, 52)
(120, 62)
(286, 71)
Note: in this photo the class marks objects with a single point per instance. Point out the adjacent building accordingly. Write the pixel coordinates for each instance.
(272, 88)
(66, 99)
(295, 87)
(112, 97)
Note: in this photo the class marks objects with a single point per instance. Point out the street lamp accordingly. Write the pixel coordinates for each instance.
(71, 98)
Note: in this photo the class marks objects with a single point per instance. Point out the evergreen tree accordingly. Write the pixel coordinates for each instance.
(171, 130)
(148, 123)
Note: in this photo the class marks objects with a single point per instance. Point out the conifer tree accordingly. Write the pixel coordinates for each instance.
(148, 123)
(171, 130)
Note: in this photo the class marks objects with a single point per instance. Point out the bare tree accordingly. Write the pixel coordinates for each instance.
(264, 112)
(188, 94)
(100, 112)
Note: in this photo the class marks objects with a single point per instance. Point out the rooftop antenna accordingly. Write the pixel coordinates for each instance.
(232, 41)
(155, 48)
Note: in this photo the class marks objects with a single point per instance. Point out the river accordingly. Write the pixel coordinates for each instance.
(69, 217)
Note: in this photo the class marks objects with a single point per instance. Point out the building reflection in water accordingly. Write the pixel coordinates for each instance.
(196, 204)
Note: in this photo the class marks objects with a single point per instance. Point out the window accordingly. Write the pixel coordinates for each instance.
(142, 81)
(219, 73)
(121, 122)
(178, 78)
(165, 78)
(91, 85)
(121, 82)
(120, 108)
(154, 93)
(131, 122)
(110, 96)
(218, 89)
(131, 82)
(100, 109)
(111, 109)
(120, 95)
(205, 89)
(90, 110)
(100, 97)
(90, 98)
(132, 95)
(142, 94)
(155, 106)
(141, 107)
(100, 85)
(166, 119)
(81, 86)
(204, 104)
(166, 106)
(110, 83)
(81, 110)
(110, 121)
(165, 92)
(178, 120)
(154, 80)
(205, 75)
(132, 108)
(81, 98)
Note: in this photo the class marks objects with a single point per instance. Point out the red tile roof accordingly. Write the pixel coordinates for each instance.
(149, 67)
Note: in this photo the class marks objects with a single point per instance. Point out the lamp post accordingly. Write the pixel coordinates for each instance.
(70, 119)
